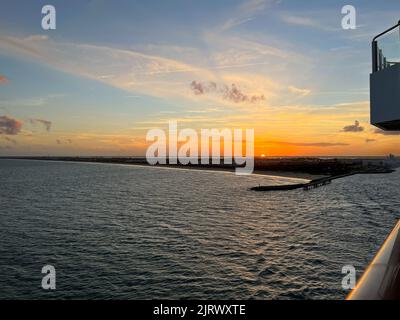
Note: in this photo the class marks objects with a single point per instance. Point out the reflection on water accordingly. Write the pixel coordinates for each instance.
(125, 232)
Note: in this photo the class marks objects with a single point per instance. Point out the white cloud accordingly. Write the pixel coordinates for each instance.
(141, 73)
(299, 91)
(246, 12)
(309, 22)
(299, 21)
(123, 69)
(37, 37)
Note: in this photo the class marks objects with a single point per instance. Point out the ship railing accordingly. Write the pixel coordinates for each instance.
(386, 49)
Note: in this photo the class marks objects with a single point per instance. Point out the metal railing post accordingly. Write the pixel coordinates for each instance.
(374, 56)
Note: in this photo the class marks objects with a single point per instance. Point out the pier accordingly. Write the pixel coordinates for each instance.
(313, 184)
(316, 184)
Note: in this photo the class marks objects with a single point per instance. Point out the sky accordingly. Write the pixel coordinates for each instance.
(112, 70)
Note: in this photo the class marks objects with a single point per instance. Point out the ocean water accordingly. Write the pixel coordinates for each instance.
(127, 232)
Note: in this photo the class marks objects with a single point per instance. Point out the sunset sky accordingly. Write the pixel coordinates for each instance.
(112, 70)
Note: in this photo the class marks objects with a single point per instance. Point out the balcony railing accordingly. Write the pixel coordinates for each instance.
(386, 49)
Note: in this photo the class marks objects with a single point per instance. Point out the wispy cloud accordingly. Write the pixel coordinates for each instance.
(141, 73)
(45, 123)
(299, 91)
(37, 37)
(308, 144)
(246, 12)
(300, 21)
(129, 70)
(308, 22)
(10, 126)
(29, 102)
(60, 141)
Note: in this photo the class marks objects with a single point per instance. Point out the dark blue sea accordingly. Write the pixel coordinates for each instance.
(131, 232)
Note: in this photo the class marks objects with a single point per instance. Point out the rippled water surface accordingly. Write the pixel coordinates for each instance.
(127, 232)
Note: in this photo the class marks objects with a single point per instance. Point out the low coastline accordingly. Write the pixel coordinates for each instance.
(281, 173)
(308, 169)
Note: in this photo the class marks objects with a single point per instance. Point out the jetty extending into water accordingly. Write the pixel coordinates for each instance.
(313, 184)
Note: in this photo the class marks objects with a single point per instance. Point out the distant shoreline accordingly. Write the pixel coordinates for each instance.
(142, 162)
(296, 168)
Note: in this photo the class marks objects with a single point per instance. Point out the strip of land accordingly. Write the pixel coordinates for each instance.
(312, 169)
